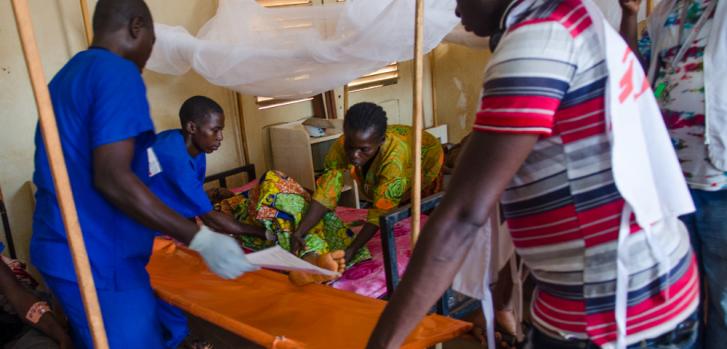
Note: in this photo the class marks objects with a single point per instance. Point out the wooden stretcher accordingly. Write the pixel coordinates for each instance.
(265, 308)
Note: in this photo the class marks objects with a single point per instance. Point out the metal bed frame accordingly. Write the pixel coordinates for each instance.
(452, 303)
(221, 177)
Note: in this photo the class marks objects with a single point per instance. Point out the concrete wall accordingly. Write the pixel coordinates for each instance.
(58, 29)
(458, 73)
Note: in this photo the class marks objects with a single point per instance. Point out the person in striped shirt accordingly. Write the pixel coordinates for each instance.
(540, 146)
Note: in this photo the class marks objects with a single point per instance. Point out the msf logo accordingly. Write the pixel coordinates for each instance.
(629, 80)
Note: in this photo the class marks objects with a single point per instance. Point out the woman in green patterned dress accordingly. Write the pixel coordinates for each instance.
(379, 159)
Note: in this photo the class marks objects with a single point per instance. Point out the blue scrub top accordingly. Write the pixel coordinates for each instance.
(99, 98)
(180, 182)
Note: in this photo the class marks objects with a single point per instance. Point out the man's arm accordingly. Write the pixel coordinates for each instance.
(223, 223)
(630, 24)
(487, 165)
(22, 300)
(115, 180)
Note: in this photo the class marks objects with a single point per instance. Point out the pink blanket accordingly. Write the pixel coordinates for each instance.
(368, 278)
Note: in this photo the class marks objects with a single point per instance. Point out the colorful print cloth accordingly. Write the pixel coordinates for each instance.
(278, 204)
(682, 102)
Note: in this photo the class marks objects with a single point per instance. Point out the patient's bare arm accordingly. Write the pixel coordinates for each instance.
(223, 223)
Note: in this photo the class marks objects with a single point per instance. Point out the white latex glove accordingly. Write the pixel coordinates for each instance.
(221, 253)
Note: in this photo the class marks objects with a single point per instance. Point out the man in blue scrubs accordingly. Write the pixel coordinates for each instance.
(100, 103)
(180, 155)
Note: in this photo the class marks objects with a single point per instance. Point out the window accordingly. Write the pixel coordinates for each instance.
(269, 102)
(387, 75)
(281, 3)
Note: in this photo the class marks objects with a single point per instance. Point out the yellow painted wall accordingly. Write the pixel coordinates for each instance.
(458, 74)
(58, 30)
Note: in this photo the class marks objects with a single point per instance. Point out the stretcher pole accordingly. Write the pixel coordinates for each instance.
(57, 163)
(416, 191)
(88, 30)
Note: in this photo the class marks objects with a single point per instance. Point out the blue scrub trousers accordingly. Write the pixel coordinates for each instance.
(130, 316)
(174, 324)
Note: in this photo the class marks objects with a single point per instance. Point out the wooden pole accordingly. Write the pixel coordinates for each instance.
(345, 98)
(57, 163)
(433, 75)
(88, 28)
(649, 7)
(416, 191)
(243, 130)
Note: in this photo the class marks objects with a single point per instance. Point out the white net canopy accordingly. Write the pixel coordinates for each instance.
(298, 51)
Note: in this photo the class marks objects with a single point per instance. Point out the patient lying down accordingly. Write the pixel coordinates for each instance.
(277, 205)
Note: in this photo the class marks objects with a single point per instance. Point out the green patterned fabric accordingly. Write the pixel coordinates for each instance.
(279, 204)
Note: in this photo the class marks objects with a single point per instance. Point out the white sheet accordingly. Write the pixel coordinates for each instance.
(279, 259)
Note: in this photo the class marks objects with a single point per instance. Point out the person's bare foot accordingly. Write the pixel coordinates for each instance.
(333, 261)
(506, 320)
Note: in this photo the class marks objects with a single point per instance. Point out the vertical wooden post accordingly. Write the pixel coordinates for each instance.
(649, 7)
(88, 28)
(329, 101)
(433, 75)
(345, 98)
(243, 130)
(6, 227)
(52, 142)
(416, 191)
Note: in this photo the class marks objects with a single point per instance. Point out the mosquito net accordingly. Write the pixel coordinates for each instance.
(298, 51)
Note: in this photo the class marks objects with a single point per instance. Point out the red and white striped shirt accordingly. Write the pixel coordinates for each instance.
(548, 77)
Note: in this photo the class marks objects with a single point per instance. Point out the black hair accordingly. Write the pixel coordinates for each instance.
(112, 15)
(365, 115)
(197, 108)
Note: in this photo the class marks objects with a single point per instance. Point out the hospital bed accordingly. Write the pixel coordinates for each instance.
(390, 248)
(265, 308)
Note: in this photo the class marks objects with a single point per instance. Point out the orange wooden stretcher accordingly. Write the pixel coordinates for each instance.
(265, 308)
